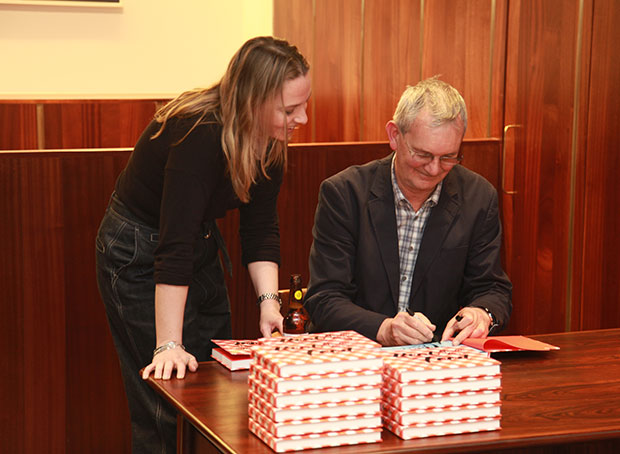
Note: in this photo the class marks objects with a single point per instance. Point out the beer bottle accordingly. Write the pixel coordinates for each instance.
(297, 317)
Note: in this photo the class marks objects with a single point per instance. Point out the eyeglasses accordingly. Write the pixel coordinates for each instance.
(426, 158)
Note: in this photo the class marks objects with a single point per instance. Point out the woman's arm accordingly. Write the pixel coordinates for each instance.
(169, 309)
(264, 276)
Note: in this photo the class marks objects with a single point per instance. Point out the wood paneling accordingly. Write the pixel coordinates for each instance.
(337, 70)
(598, 289)
(18, 126)
(465, 43)
(540, 98)
(292, 20)
(391, 60)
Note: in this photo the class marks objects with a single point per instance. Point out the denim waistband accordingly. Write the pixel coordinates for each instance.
(209, 228)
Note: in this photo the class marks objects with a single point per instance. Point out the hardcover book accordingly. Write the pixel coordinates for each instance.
(314, 425)
(315, 396)
(439, 429)
(495, 344)
(232, 362)
(313, 441)
(315, 381)
(441, 414)
(309, 411)
(428, 401)
(446, 385)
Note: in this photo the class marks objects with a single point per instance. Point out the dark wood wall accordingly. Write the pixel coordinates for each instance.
(62, 389)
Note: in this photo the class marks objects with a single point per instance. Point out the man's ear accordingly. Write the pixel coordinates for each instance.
(392, 132)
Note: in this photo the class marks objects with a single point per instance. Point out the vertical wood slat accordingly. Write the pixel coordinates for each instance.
(18, 126)
(390, 61)
(597, 293)
(542, 34)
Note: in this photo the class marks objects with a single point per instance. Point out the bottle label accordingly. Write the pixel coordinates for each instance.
(298, 295)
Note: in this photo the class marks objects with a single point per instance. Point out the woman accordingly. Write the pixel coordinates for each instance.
(158, 268)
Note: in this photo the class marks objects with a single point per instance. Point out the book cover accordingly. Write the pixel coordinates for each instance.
(310, 411)
(315, 441)
(315, 381)
(315, 396)
(496, 344)
(287, 361)
(236, 346)
(232, 362)
(425, 401)
(440, 429)
(314, 425)
(438, 363)
(349, 338)
(446, 385)
(441, 415)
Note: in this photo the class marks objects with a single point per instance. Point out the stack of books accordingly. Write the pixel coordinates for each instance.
(314, 391)
(440, 391)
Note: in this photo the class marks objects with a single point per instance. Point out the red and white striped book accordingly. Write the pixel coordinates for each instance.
(314, 396)
(291, 361)
(438, 363)
(334, 338)
(315, 441)
(424, 401)
(310, 411)
(441, 414)
(315, 381)
(441, 428)
(232, 362)
(446, 385)
(314, 425)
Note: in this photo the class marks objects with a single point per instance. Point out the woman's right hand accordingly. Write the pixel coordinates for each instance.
(166, 362)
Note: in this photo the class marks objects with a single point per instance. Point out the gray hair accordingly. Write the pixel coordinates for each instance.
(442, 101)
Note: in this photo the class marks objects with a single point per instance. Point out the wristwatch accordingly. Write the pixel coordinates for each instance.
(493, 324)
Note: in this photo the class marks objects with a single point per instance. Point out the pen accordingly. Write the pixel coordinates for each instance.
(435, 338)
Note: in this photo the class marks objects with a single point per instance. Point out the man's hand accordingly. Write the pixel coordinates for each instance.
(405, 329)
(468, 322)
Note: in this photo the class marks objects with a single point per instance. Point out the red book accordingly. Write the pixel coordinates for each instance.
(508, 344)
(313, 441)
(426, 401)
(314, 425)
(315, 381)
(439, 428)
(446, 385)
(441, 414)
(315, 396)
(232, 362)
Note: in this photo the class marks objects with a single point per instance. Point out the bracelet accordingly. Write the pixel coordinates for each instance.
(493, 323)
(167, 346)
(269, 296)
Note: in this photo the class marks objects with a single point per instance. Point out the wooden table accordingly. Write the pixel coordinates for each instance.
(567, 399)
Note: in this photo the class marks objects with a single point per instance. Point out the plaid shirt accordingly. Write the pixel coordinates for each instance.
(410, 227)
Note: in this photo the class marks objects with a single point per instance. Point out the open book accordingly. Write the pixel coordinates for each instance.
(508, 344)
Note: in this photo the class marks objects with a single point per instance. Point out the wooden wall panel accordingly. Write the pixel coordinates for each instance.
(293, 20)
(542, 34)
(337, 70)
(464, 42)
(391, 60)
(18, 126)
(597, 305)
(96, 124)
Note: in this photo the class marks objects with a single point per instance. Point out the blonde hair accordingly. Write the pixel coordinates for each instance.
(255, 75)
(441, 100)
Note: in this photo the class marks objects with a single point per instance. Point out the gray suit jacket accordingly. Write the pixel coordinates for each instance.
(354, 263)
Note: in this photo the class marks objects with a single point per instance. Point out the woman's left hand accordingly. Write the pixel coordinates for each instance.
(270, 318)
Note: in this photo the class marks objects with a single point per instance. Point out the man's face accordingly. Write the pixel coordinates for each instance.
(417, 178)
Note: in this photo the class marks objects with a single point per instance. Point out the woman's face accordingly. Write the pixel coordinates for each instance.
(289, 110)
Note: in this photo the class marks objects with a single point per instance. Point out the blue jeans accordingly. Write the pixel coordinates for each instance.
(125, 267)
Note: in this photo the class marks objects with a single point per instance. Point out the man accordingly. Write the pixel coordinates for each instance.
(407, 248)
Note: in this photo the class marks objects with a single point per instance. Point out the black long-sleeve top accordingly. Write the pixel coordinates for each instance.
(181, 187)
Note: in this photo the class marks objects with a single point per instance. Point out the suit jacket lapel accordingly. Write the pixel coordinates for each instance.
(383, 219)
(437, 227)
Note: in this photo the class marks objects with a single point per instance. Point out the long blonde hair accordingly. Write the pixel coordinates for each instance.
(255, 74)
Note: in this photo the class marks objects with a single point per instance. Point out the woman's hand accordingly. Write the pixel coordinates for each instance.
(168, 360)
(270, 318)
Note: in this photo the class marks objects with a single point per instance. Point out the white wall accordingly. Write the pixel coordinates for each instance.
(146, 48)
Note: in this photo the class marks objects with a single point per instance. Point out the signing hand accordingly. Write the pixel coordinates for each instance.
(405, 329)
(468, 322)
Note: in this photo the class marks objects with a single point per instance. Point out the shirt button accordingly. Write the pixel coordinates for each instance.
(403, 279)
